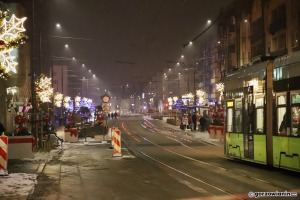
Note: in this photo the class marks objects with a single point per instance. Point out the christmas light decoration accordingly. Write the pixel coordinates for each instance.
(220, 88)
(67, 100)
(44, 90)
(86, 102)
(58, 97)
(77, 100)
(201, 95)
(11, 36)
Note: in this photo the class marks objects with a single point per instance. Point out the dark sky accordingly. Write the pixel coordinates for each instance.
(130, 40)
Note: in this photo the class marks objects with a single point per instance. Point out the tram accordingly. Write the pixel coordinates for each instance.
(262, 104)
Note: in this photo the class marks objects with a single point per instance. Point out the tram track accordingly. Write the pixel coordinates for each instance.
(215, 186)
(134, 146)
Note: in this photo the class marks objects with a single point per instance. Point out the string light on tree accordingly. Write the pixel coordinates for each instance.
(11, 36)
(220, 87)
(58, 97)
(77, 100)
(201, 95)
(44, 90)
(67, 101)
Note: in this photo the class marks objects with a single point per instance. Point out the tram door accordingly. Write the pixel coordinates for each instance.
(248, 122)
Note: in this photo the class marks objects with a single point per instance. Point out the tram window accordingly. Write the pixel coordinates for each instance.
(238, 121)
(260, 120)
(281, 100)
(281, 121)
(229, 120)
(295, 121)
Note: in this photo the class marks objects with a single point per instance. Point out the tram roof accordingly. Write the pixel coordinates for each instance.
(288, 59)
(287, 66)
(236, 78)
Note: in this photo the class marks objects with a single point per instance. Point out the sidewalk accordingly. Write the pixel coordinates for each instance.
(23, 174)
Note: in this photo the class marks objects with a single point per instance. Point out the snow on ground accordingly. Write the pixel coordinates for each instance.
(17, 184)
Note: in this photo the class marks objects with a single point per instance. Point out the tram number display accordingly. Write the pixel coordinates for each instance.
(229, 104)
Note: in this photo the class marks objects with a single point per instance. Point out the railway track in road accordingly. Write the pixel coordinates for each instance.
(134, 139)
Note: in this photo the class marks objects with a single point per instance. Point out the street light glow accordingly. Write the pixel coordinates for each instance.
(58, 25)
(209, 21)
(73, 58)
(66, 46)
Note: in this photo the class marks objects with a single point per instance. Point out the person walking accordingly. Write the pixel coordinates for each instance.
(202, 123)
(194, 121)
(190, 121)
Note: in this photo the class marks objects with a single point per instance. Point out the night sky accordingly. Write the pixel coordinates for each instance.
(129, 41)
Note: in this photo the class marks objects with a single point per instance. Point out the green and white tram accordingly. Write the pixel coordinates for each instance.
(263, 113)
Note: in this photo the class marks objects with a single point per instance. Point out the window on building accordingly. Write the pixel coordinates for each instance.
(278, 42)
(295, 36)
(281, 41)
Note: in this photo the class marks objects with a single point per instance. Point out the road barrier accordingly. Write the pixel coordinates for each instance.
(3, 154)
(111, 132)
(117, 142)
(20, 147)
(71, 135)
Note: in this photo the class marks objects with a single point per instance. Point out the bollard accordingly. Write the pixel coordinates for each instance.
(117, 143)
(3, 154)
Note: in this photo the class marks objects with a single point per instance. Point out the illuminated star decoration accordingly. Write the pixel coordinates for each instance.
(11, 36)
(44, 90)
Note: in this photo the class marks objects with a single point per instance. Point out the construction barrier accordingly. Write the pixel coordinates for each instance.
(20, 147)
(71, 135)
(112, 136)
(117, 142)
(3, 154)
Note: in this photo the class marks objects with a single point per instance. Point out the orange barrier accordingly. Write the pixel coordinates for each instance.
(117, 142)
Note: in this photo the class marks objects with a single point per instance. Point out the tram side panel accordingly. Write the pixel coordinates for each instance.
(286, 133)
(241, 144)
(286, 139)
